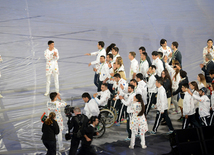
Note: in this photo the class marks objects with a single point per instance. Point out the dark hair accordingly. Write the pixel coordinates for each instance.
(109, 48)
(132, 87)
(183, 74)
(140, 76)
(142, 48)
(211, 71)
(110, 56)
(186, 85)
(50, 119)
(195, 85)
(93, 119)
(101, 43)
(50, 42)
(84, 95)
(153, 66)
(144, 53)
(159, 80)
(155, 53)
(116, 49)
(167, 76)
(139, 99)
(53, 95)
(160, 54)
(175, 44)
(209, 40)
(133, 80)
(105, 84)
(103, 56)
(162, 41)
(117, 75)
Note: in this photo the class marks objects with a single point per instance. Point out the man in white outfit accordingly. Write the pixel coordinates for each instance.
(144, 65)
(134, 68)
(104, 95)
(143, 86)
(158, 63)
(96, 63)
(51, 55)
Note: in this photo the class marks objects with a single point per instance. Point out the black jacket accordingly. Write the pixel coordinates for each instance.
(206, 69)
(50, 131)
(90, 132)
(179, 88)
(177, 56)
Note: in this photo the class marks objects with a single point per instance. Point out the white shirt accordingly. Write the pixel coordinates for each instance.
(196, 103)
(91, 108)
(188, 105)
(162, 102)
(200, 85)
(143, 86)
(175, 82)
(103, 70)
(159, 66)
(204, 105)
(111, 79)
(51, 61)
(165, 52)
(144, 67)
(134, 68)
(151, 84)
(115, 58)
(98, 54)
(129, 99)
(205, 52)
(124, 90)
(212, 100)
(104, 97)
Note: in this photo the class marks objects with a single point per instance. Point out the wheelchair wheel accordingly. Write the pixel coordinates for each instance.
(108, 117)
(114, 111)
(100, 128)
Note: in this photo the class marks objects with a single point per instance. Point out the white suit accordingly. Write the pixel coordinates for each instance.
(159, 66)
(104, 96)
(52, 68)
(91, 108)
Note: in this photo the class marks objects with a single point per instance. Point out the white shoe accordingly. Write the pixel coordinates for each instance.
(1, 96)
(131, 147)
(46, 94)
(61, 149)
(144, 146)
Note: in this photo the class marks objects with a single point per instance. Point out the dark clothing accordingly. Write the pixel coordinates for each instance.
(209, 65)
(205, 121)
(176, 56)
(86, 151)
(74, 145)
(190, 119)
(166, 85)
(99, 85)
(151, 99)
(50, 131)
(96, 78)
(149, 61)
(179, 88)
(51, 147)
(90, 132)
(128, 126)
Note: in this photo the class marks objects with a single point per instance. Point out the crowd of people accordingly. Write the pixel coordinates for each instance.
(158, 83)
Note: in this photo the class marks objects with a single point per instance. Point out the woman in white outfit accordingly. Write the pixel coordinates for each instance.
(138, 122)
(201, 81)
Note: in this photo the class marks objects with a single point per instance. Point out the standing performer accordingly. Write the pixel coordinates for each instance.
(51, 55)
(144, 65)
(208, 49)
(134, 68)
(164, 48)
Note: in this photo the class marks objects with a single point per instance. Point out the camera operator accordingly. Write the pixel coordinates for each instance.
(78, 123)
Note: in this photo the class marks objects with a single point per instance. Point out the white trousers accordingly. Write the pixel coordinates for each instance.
(59, 140)
(142, 137)
(48, 82)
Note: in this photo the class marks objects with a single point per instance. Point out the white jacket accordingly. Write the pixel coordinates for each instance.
(134, 68)
(212, 100)
(103, 70)
(129, 99)
(115, 58)
(91, 108)
(159, 66)
(143, 86)
(151, 84)
(205, 52)
(104, 97)
(175, 83)
(51, 61)
(188, 105)
(144, 67)
(124, 90)
(204, 105)
(98, 54)
(162, 102)
(196, 104)
(165, 52)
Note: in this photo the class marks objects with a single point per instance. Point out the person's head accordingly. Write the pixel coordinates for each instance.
(86, 97)
(208, 57)
(109, 57)
(109, 48)
(102, 59)
(51, 44)
(160, 55)
(154, 55)
(139, 77)
(115, 50)
(100, 45)
(165, 74)
(201, 79)
(163, 42)
(212, 86)
(132, 55)
(53, 96)
(77, 111)
(130, 88)
(114, 66)
(119, 62)
(211, 73)
(133, 82)
(94, 120)
(142, 49)
(152, 69)
(159, 82)
(194, 86)
(184, 87)
(183, 74)
(203, 91)
(104, 86)
(138, 98)
(117, 77)
(50, 118)
(174, 45)
(209, 43)
(143, 56)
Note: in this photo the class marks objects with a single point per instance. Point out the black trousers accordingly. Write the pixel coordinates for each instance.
(121, 110)
(197, 116)
(86, 150)
(212, 118)
(191, 119)
(96, 78)
(99, 85)
(128, 126)
(74, 145)
(158, 119)
(51, 147)
(205, 121)
(151, 99)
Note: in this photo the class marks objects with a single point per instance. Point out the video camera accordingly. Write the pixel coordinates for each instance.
(68, 111)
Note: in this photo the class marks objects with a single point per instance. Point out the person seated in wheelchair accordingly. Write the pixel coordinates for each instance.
(103, 96)
(91, 107)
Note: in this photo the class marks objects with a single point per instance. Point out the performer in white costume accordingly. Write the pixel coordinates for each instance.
(51, 56)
